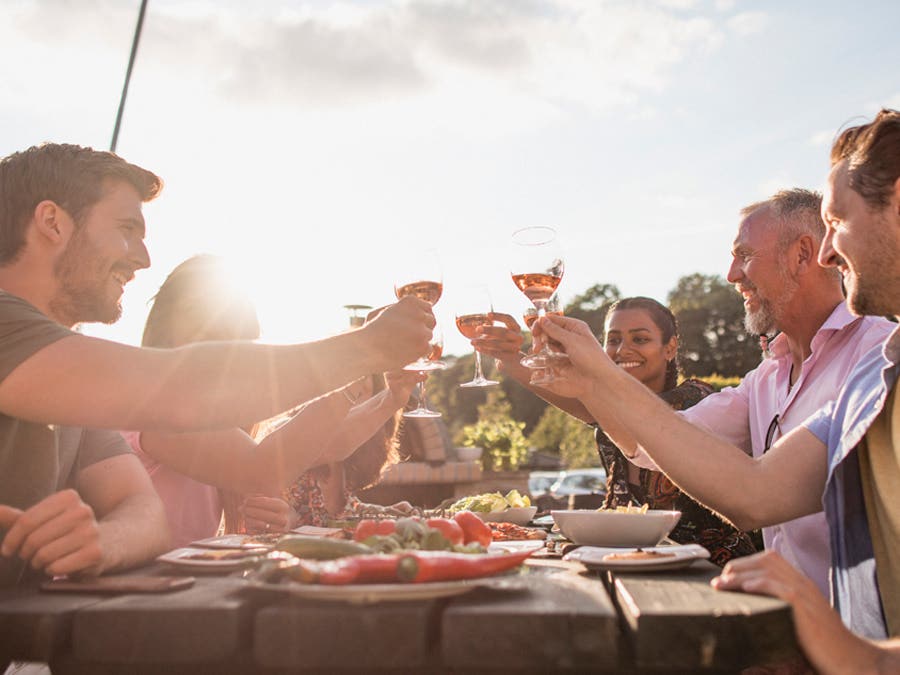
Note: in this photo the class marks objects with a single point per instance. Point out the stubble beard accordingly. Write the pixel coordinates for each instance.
(83, 295)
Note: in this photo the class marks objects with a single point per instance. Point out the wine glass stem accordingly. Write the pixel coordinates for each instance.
(479, 374)
(423, 400)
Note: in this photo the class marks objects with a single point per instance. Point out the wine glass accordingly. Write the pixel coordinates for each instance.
(554, 306)
(422, 277)
(432, 361)
(536, 267)
(471, 312)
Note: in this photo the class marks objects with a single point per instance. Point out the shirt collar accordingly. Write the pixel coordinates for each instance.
(840, 318)
(892, 346)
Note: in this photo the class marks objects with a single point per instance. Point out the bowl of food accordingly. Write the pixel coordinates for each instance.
(610, 527)
(494, 507)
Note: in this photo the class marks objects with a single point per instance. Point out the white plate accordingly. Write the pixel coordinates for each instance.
(183, 557)
(363, 594)
(594, 557)
(516, 516)
(516, 545)
(232, 541)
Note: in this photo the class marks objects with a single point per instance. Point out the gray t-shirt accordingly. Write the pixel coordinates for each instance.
(37, 459)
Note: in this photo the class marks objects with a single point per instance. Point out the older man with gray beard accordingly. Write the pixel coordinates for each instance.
(818, 343)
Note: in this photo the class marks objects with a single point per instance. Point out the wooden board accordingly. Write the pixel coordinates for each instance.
(677, 620)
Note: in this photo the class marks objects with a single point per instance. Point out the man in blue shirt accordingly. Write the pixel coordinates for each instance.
(850, 451)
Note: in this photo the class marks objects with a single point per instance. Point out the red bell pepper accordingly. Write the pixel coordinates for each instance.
(442, 566)
(357, 569)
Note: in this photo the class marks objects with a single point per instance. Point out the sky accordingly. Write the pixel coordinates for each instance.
(319, 146)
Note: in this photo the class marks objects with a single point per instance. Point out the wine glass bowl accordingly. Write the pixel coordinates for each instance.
(472, 311)
(536, 268)
(429, 291)
(420, 275)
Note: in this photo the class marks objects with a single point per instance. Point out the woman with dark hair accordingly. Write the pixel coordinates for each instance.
(198, 474)
(641, 336)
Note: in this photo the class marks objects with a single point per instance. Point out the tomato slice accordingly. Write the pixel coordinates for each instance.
(364, 529)
(451, 530)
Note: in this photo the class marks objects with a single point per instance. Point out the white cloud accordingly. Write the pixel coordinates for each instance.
(822, 139)
(599, 55)
(748, 23)
(724, 5)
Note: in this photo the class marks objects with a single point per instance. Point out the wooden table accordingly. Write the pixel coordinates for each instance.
(557, 618)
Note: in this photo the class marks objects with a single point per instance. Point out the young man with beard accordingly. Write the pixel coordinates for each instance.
(818, 343)
(849, 451)
(74, 500)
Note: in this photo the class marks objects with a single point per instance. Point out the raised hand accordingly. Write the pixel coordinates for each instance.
(400, 384)
(267, 514)
(503, 343)
(59, 535)
(400, 333)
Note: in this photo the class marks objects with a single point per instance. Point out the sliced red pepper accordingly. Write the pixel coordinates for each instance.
(332, 572)
(440, 566)
(377, 568)
(474, 528)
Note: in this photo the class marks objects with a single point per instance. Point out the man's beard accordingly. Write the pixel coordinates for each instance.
(765, 320)
(83, 294)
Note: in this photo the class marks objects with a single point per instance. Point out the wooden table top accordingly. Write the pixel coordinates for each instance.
(555, 617)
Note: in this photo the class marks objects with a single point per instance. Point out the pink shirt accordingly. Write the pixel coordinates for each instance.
(742, 416)
(193, 509)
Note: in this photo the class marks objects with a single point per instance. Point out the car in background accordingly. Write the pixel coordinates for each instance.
(574, 489)
(579, 482)
(539, 482)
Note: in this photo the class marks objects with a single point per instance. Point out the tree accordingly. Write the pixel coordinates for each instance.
(559, 433)
(711, 326)
(592, 305)
(497, 433)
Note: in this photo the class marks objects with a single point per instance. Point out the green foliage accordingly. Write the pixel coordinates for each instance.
(560, 433)
(500, 436)
(711, 325)
(719, 382)
(592, 305)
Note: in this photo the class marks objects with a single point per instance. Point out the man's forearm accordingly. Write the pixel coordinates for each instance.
(363, 422)
(133, 533)
(712, 471)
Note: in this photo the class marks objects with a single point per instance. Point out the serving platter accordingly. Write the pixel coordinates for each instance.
(619, 560)
(364, 594)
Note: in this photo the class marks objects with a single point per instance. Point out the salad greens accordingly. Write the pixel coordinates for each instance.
(491, 502)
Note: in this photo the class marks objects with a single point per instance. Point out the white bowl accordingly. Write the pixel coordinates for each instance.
(468, 454)
(516, 516)
(588, 527)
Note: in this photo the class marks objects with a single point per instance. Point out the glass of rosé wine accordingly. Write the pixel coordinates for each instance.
(536, 267)
(421, 276)
(432, 361)
(472, 311)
